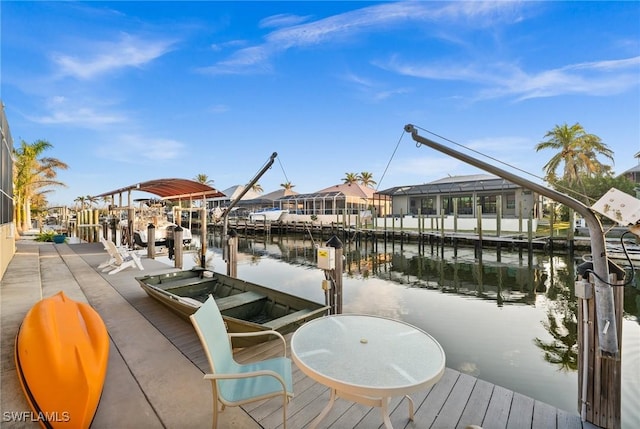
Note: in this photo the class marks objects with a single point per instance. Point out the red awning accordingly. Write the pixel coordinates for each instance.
(170, 189)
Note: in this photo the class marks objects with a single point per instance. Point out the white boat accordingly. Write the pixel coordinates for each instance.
(162, 229)
(268, 215)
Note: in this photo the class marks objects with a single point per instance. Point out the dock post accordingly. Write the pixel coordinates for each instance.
(232, 253)
(151, 241)
(599, 377)
(178, 233)
(203, 237)
(336, 276)
(479, 228)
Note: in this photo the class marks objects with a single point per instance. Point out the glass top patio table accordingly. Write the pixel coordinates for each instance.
(364, 357)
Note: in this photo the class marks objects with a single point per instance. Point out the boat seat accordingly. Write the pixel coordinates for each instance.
(294, 317)
(189, 281)
(239, 299)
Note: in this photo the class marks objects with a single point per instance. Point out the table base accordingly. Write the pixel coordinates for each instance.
(382, 403)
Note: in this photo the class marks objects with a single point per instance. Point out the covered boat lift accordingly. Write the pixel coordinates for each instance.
(169, 189)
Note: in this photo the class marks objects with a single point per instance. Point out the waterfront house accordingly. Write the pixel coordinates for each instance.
(633, 174)
(460, 200)
(336, 203)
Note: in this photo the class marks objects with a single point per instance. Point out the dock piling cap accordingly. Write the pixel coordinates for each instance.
(334, 242)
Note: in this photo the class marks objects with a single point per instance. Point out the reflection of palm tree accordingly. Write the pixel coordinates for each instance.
(561, 321)
(562, 351)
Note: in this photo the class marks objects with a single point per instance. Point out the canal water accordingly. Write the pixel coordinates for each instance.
(509, 318)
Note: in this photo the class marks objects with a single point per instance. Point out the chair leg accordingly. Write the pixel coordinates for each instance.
(284, 410)
(215, 411)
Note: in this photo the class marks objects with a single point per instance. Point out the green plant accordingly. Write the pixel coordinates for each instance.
(45, 236)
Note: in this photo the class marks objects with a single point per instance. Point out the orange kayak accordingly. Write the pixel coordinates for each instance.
(62, 350)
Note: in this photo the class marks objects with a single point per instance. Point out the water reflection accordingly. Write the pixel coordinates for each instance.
(507, 317)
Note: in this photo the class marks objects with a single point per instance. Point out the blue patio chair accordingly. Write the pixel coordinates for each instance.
(234, 384)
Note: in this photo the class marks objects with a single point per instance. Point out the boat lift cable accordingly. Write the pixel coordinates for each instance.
(564, 188)
(391, 159)
(283, 172)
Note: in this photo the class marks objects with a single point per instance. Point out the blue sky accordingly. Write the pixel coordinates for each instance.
(133, 91)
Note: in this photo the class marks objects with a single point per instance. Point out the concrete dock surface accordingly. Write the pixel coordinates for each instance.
(149, 383)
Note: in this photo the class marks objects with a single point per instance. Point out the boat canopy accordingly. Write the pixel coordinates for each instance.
(170, 189)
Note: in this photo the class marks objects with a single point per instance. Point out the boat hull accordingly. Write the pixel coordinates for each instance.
(245, 306)
(61, 354)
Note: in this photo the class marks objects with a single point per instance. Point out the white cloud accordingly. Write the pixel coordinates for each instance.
(63, 111)
(104, 57)
(282, 20)
(354, 23)
(509, 80)
(137, 149)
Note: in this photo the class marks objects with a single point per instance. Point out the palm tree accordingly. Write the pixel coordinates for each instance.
(204, 179)
(79, 202)
(577, 150)
(33, 176)
(91, 201)
(287, 186)
(257, 188)
(351, 178)
(366, 179)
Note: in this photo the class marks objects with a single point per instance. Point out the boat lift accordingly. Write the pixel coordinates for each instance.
(229, 240)
(604, 294)
(603, 407)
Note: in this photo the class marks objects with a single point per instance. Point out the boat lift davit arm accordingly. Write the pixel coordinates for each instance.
(605, 310)
(227, 210)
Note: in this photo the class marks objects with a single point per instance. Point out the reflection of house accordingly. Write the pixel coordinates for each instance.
(7, 238)
(461, 197)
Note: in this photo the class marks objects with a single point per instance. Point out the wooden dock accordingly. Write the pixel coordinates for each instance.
(324, 231)
(456, 401)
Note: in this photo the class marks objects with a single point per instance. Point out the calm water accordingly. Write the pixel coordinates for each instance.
(506, 318)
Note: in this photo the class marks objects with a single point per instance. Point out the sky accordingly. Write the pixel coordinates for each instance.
(132, 91)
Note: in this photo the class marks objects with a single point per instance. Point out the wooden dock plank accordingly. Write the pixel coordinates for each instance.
(453, 408)
(476, 407)
(499, 407)
(521, 413)
(544, 416)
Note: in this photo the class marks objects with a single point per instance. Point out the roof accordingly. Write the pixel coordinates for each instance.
(230, 194)
(351, 190)
(170, 189)
(470, 183)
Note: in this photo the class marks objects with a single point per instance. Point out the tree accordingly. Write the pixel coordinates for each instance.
(287, 186)
(351, 178)
(366, 179)
(257, 188)
(577, 150)
(33, 178)
(204, 179)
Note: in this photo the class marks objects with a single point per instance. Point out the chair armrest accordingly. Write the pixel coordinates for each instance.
(258, 333)
(251, 374)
